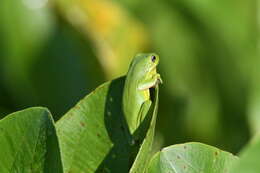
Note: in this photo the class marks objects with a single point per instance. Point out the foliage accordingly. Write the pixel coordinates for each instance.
(53, 53)
(29, 142)
(191, 157)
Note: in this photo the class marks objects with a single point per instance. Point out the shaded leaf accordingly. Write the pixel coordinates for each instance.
(29, 143)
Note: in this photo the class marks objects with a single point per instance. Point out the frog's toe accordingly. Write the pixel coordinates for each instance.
(159, 80)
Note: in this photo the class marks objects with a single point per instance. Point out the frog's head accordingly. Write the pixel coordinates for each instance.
(147, 61)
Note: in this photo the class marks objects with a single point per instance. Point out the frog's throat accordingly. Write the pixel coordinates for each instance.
(152, 68)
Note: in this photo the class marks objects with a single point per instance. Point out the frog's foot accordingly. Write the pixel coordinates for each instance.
(150, 83)
(159, 79)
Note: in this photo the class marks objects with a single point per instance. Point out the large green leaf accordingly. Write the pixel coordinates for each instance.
(29, 143)
(93, 135)
(249, 160)
(191, 158)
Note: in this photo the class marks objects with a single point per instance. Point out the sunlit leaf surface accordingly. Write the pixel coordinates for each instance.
(191, 158)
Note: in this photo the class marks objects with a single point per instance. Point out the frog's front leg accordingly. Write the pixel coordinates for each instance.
(149, 83)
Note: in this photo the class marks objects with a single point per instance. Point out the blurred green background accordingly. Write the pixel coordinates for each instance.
(54, 52)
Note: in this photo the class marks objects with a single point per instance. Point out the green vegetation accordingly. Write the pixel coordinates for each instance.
(53, 53)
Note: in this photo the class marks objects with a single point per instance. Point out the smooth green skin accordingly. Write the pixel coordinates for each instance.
(141, 76)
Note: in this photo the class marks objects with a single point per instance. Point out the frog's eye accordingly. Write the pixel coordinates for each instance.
(153, 58)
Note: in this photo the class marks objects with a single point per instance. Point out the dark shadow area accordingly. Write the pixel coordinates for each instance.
(117, 160)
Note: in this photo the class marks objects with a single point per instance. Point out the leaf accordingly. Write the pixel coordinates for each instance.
(249, 160)
(192, 158)
(93, 135)
(29, 143)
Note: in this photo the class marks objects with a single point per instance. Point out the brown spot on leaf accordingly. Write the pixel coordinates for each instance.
(82, 124)
(77, 107)
(216, 153)
(185, 147)
(178, 157)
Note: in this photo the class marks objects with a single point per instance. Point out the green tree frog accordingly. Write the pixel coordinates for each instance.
(141, 76)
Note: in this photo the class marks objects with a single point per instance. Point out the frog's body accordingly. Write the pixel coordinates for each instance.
(141, 76)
